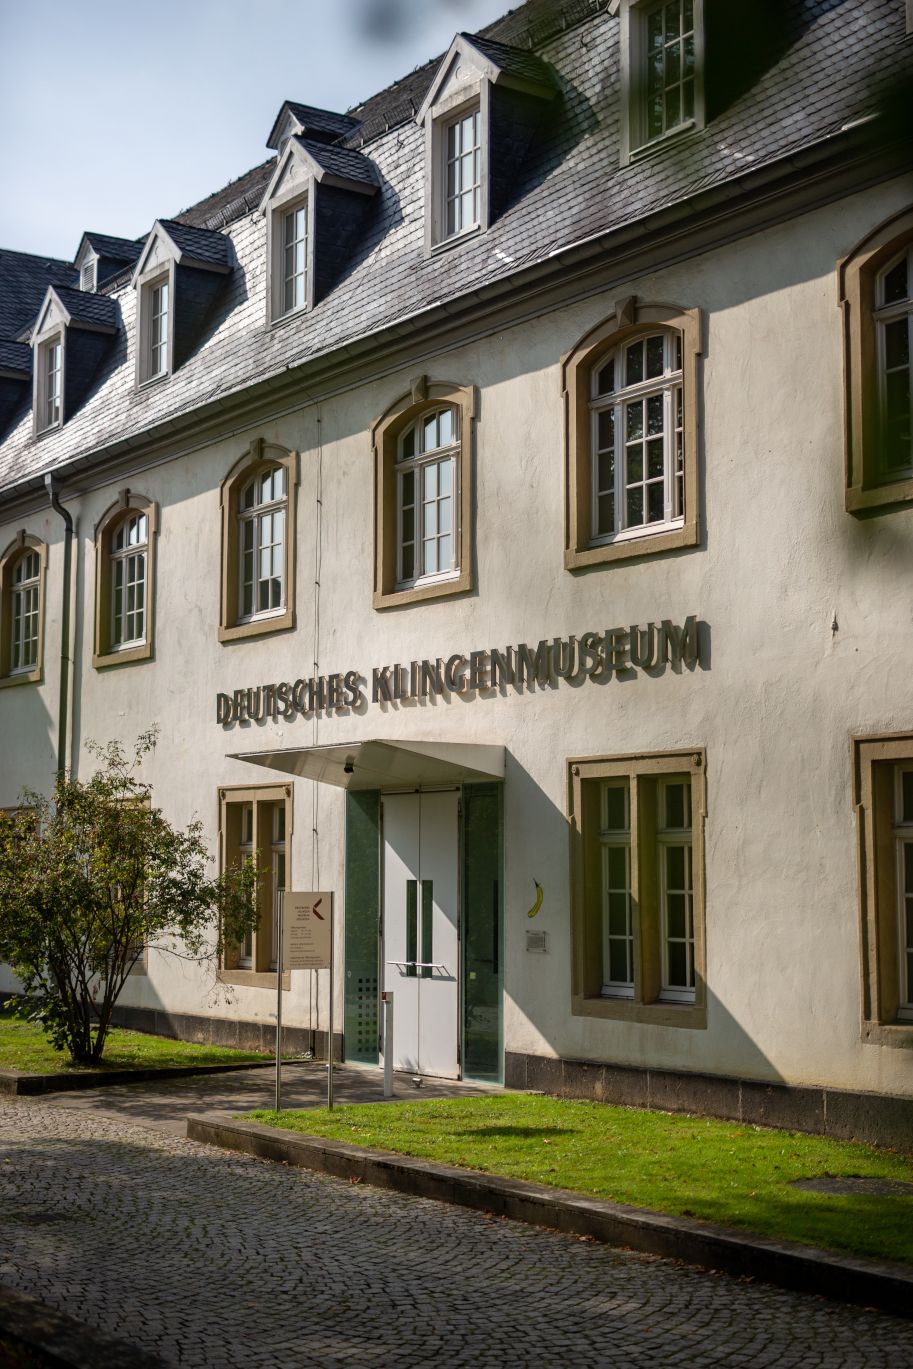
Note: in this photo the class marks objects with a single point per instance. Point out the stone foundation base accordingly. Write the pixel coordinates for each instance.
(881, 1119)
(237, 1033)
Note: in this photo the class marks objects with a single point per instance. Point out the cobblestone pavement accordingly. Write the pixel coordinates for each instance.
(215, 1259)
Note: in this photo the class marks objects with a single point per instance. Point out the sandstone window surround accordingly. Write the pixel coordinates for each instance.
(155, 326)
(631, 397)
(662, 65)
(255, 823)
(637, 887)
(22, 607)
(49, 377)
(125, 557)
(876, 297)
(883, 800)
(258, 501)
(420, 486)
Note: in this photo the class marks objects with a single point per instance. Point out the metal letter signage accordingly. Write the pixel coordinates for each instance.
(308, 925)
(617, 652)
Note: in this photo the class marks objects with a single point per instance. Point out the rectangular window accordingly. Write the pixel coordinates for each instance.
(463, 173)
(255, 825)
(52, 367)
(294, 258)
(662, 62)
(884, 807)
(637, 904)
(158, 329)
(26, 587)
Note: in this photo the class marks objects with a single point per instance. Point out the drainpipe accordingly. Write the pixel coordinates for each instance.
(65, 662)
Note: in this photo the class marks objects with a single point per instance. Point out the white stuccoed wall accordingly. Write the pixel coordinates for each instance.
(775, 705)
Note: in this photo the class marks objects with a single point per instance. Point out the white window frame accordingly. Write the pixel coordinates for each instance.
(47, 418)
(666, 837)
(127, 556)
(279, 213)
(457, 122)
(636, 139)
(254, 517)
(886, 314)
(149, 345)
(670, 386)
(418, 466)
(25, 612)
(616, 839)
(475, 99)
(903, 837)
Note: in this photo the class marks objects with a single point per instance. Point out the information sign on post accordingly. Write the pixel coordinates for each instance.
(308, 926)
(305, 943)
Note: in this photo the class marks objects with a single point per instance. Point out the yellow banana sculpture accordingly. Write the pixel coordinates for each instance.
(538, 903)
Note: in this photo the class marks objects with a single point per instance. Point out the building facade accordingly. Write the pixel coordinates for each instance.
(500, 500)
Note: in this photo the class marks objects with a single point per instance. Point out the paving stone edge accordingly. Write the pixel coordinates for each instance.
(16, 1084)
(807, 1269)
(34, 1334)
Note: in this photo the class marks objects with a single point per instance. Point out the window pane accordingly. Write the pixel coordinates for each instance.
(445, 553)
(655, 356)
(906, 796)
(675, 915)
(618, 962)
(635, 507)
(606, 471)
(430, 483)
(655, 458)
(616, 808)
(908, 867)
(634, 363)
(672, 18)
(605, 515)
(605, 430)
(618, 919)
(677, 805)
(635, 463)
(656, 503)
(617, 860)
(605, 378)
(678, 962)
(897, 344)
(407, 445)
(675, 869)
(446, 477)
(654, 415)
(894, 285)
(635, 420)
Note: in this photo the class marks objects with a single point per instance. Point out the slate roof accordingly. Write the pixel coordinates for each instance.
(200, 244)
(117, 249)
(98, 311)
(24, 279)
(315, 120)
(514, 61)
(15, 356)
(825, 65)
(340, 161)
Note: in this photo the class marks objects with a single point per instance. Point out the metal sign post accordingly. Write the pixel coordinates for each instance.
(279, 1005)
(387, 998)
(307, 944)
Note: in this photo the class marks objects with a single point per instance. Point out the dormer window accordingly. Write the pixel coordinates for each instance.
(315, 207)
(158, 328)
(482, 111)
(662, 91)
(462, 181)
(294, 257)
(50, 373)
(179, 274)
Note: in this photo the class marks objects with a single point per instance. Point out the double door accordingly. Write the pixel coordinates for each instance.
(421, 929)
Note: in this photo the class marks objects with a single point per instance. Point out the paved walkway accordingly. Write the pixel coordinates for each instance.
(219, 1261)
(165, 1106)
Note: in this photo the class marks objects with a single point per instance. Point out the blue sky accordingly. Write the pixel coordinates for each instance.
(114, 113)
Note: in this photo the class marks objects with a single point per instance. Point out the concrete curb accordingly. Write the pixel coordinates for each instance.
(789, 1265)
(35, 1336)
(15, 1084)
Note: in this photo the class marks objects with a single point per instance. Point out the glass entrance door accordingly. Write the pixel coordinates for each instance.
(421, 942)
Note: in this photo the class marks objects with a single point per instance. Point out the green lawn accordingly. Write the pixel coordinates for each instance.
(723, 1172)
(25, 1047)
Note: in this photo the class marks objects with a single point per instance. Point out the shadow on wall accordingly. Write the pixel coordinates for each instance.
(536, 840)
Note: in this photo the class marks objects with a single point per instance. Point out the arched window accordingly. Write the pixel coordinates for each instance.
(25, 612)
(876, 294)
(125, 581)
(262, 518)
(129, 565)
(894, 322)
(258, 542)
(427, 480)
(423, 483)
(630, 388)
(638, 469)
(22, 569)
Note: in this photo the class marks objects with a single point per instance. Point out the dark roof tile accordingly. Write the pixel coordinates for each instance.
(24, 279)
(117, 249)
(199, 244)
